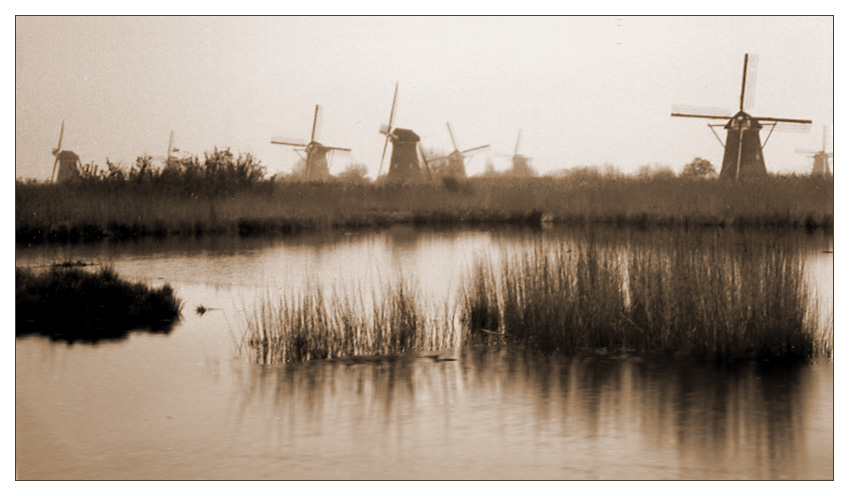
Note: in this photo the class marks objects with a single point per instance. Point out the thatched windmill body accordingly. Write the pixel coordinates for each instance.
(67, 163)
(821, 157)
(743, 157)
(456, 160)
(404, 163)
(315, 158)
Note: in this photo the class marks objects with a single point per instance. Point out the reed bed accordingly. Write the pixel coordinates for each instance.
(694, 296)
(684, 298)
(127, 210)
(311, 325)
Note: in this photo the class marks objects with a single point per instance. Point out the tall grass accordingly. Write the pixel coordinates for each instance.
(691, 295)
(160, 207)
(680, 299)
(310, 325)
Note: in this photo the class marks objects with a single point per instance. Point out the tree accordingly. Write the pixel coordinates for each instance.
(699, 167)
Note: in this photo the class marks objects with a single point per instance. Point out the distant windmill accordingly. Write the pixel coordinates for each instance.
(404, 162)
(170, 160)
(743, 156)
(316, 168)
(820, 157)
(457, 159)
(68, 162)
(521, 163)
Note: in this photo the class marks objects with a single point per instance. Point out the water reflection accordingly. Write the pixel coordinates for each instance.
(669, 418)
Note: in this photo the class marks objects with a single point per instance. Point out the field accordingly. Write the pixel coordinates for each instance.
(90, 211)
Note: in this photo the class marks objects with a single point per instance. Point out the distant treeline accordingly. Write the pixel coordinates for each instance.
(228, 194)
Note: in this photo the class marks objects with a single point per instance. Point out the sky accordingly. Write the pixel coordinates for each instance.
(584, 90)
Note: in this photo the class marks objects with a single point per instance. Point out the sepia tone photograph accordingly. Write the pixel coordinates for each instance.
(547, 248)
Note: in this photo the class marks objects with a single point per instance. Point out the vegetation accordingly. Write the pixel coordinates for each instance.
(692, 297)
(681, 299)
(309, 326)
(227, 194)
(699, 167)
(74, 304)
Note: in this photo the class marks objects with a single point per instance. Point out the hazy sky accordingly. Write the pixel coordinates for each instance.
(585, 90)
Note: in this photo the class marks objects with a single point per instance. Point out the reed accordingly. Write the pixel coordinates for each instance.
(89, 211)
(74, 304)
(686, 298)
(310, 325)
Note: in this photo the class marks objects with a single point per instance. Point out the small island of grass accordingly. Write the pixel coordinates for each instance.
(75, 304)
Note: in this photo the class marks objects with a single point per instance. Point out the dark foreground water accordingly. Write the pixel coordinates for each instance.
(182, 405)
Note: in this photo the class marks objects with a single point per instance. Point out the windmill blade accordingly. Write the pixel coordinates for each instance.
(701, 110)
(388, 129)
(751, 81)
(474, 149)
(314, 122)
(743, 94)
(700, 116)
(53, 174)
(824, 137)
(61, 133)
(286, 141)
(805, 152)
(392, 110)
(781, 119)
(516, 149)
(451, 133)
(336, 148)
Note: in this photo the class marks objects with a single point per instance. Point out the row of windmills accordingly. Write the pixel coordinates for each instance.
(407, 162)
(742, 159)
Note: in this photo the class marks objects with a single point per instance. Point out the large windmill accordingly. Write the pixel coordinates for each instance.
(315, 160)
(404, 162)
(743, 156)
(456, 160)
(68, 162)
(820, 157)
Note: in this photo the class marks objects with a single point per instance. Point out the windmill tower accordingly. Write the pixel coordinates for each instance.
(315, 160)
(820, 157)
(743, 158)
(521, 163)
(457, 159)
(404, 162)
(68, 162)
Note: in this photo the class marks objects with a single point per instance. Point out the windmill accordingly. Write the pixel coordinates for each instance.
(820, 157)
(68, 162)
(404, 162)
(521, 163)
(743, 156)
(456, 166)
(170, 160)
(315, 161)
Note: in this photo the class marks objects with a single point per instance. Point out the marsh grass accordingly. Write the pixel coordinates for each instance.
(691, 295)
(74, 304)
(314, 325)
(684, 298)
(137, 209)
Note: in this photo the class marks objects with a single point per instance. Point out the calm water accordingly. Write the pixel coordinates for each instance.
(183, 406)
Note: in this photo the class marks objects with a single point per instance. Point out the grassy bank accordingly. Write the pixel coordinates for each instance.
(127, 210)
(687, 298)
(74, 304)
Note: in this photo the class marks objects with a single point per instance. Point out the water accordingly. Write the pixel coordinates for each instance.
(183, 406)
